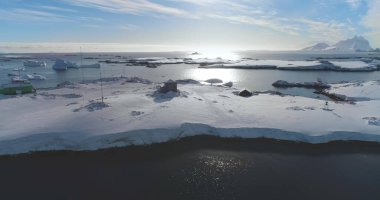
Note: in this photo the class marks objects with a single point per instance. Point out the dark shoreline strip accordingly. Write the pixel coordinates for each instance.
(218, 143)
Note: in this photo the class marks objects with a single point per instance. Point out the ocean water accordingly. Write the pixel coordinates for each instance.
(255, 80)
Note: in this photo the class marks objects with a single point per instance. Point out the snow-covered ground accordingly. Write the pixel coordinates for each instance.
(354, 65)
(209, 61)
(266, 64)
(299, 65)
(134, 113)
(359, 91)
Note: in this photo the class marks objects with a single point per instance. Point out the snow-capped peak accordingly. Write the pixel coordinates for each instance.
(318, 47)
(357, 43)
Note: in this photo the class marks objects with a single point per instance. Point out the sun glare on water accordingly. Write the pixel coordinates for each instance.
(205, 74)
(216, 53)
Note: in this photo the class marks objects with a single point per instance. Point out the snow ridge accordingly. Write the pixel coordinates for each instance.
(83, 142)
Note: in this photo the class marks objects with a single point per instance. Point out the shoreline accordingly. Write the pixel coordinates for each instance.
(192, 143)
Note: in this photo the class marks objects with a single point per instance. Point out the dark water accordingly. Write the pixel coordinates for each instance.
(257, 80)
(199, 168)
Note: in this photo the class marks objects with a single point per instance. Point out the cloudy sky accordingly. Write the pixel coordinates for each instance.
(165, 25)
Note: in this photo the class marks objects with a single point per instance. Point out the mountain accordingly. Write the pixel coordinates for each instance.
(317, 47)
(357, 43)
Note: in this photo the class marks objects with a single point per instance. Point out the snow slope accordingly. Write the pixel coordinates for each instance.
(358, 91)
(354, 65)
(136, 114)
(317, 47)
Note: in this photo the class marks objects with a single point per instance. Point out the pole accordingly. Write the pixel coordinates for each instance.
(101, 84)
(81, 63)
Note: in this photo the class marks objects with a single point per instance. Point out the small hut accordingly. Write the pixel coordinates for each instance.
(12, 89)
(169, 85)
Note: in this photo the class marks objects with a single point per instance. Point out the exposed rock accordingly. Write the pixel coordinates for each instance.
(314, 85)
(214, 80)
(93, 106)
(169, 86)
(245, 93)
(136, 113)
(333, 96)
(228, 84)
(151, 65)
(138, 80)
(187, 81)
(373, 121)
(67, 84)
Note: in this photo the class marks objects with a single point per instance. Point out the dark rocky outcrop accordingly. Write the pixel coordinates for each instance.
(245, 93)
(313, 85)
(169, 86)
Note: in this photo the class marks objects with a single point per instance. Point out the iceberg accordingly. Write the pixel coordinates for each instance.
(33, 77)
(60, 65)
(34, 63)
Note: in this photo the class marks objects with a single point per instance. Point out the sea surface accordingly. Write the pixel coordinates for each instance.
(198, 168)
(254, 80)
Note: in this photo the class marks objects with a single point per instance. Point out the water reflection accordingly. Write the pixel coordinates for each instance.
(216, 53)
(213, 174)
(203, 74)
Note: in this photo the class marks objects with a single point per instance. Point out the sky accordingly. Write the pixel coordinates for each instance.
(175, 25)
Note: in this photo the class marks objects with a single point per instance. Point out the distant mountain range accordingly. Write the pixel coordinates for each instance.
(357, 43)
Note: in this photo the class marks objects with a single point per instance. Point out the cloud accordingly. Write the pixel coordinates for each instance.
(94, 19)
(371, 21)
(232, 4)
(55, 8)
(28, 15)
(93, 26)
(237, 6)
(243, 12)
(265, 16)
(270, 23)
(86, 47)
(330, 31)
(354, 3)
(129, 6)
(128, 27)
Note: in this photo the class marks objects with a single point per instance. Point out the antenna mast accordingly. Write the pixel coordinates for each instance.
(81, 66)
(101, 85)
